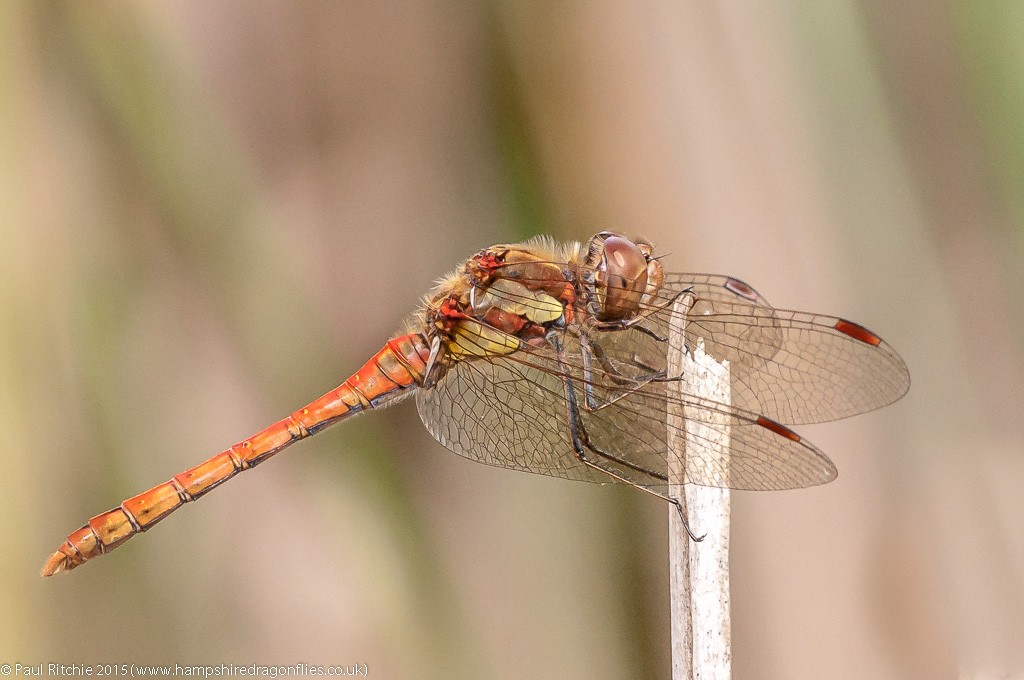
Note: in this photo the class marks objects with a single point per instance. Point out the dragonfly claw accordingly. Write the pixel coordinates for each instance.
(686, 525)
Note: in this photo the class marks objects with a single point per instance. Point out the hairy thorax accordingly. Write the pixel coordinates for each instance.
(508, 296)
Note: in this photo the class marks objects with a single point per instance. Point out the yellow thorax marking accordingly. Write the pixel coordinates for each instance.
(472, 338)
(514, 297)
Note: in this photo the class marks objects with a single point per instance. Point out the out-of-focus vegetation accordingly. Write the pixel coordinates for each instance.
(211, 213)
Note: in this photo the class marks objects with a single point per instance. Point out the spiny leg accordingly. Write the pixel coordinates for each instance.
(637, 320)
(588, 349)
(628, 385)
(633, 323)
(581, 443)
(635, 360)
(585, 440)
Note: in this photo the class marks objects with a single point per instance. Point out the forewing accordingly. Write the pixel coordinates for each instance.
(793, 367)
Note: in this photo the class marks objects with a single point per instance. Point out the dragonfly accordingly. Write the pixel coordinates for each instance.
(557, 359)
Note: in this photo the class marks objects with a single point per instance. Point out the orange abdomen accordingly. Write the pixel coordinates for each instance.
(391, 373)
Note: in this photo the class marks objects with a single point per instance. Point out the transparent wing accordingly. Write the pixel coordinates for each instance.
(506, 413)
(793, 367)
(511, 411)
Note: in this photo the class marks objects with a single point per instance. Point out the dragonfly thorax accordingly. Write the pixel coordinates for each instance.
(504, 298)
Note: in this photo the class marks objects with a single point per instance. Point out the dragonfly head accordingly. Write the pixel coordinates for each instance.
(625, 274)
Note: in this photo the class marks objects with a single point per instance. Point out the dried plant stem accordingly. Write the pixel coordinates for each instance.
(699, 572)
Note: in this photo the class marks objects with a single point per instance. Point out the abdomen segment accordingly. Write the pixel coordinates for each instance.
(392, 372)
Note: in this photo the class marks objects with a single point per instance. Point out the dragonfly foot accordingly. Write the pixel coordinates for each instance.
(686, 525)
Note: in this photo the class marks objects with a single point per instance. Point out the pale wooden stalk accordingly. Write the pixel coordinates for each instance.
(698, 572)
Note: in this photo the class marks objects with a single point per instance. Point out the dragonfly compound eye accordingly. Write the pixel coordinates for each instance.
(622, 278)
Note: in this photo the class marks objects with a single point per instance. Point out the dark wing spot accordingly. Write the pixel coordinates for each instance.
(740, 288)
(777, 428)
(858, 332)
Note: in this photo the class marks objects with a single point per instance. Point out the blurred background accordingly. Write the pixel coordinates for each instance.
(211, 213)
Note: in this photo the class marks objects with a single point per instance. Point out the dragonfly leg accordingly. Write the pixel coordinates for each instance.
(634, 323)
(647, 331)
(616, 376)
(637, 321)
(582, 438)
(430, 376)
(588, 373)
(652, 372)
(582, 446)
(628, 385)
